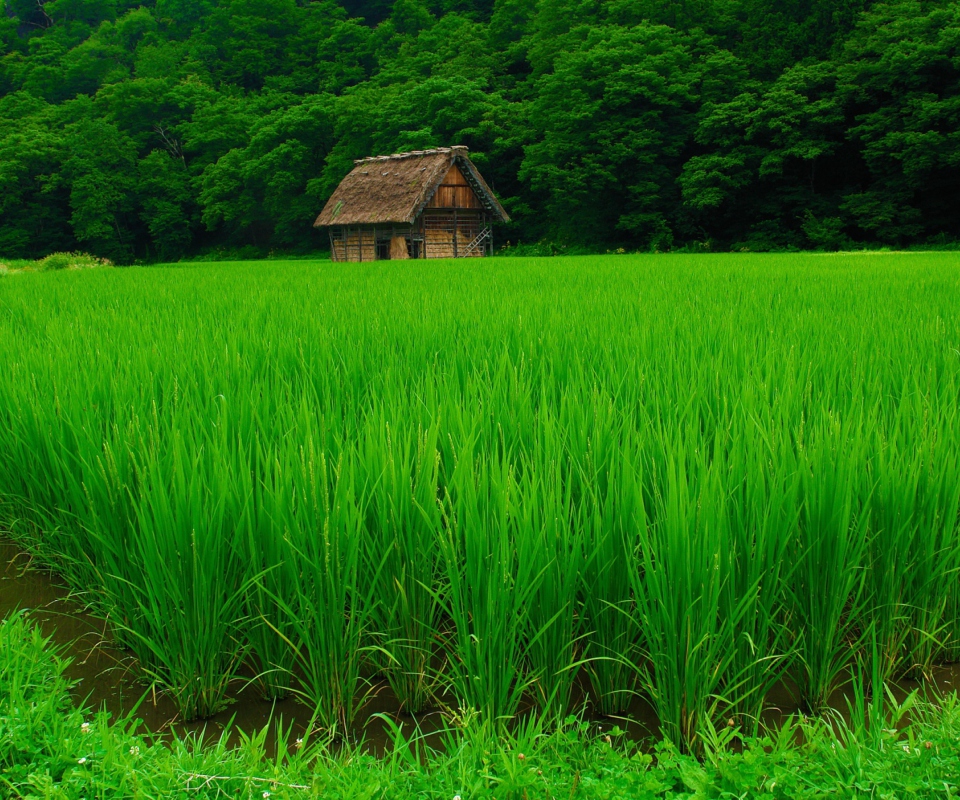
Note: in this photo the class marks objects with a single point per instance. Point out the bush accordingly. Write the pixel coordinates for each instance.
(826, 233)
(72, 261)
(54, 261)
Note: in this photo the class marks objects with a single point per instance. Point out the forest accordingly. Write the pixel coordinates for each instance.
(154, 130)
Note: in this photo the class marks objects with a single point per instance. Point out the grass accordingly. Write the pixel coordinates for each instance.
(495, 484)
(50, 748)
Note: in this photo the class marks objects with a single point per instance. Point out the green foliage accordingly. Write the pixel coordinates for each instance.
(900, 72)
(614, 118)
(168, 209)
(8, 30)
(277, 172)
(71, 261)
(58, 261)
(99, 167)
(34, 703)
(815, 125)
(49, 748)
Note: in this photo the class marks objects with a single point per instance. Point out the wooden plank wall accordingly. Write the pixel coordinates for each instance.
(455, 192)
(354, 245)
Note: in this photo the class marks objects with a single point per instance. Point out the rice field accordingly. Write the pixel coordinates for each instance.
(496, 483)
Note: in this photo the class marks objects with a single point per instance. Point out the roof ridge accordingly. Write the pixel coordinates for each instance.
(394, 189)
(411, 153)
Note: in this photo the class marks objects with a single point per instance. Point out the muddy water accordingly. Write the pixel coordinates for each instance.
(106, 677)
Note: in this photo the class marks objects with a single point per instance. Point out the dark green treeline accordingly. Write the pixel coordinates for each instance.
(174, 127)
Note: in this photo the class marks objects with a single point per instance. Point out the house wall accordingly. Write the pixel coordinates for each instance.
(455, 192)
(353, 244)
(437, 233)
(448, 234)
(369, 242)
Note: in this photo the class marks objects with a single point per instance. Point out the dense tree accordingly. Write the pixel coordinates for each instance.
(900, 73)
(34, 205)
(614, 119)
(157, 129)
(775, 160)
(863, 147)
(99, 166)
(272, 185)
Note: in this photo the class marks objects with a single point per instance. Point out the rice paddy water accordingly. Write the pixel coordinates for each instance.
(691, 477)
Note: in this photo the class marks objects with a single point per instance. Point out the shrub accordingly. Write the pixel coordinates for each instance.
(72, 261)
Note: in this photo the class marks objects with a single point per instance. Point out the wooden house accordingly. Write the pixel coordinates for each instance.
(423, 204)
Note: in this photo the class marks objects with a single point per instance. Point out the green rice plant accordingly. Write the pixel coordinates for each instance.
(934, 555)
(610, 514)
(554, 641)
(487, 586)
(320, 512)
(762, 511)
(608, 601)
(690, 669)
(319, 509)
(44, 487)
(887, 617)
(401, 556)
(939, 550)
(914, 558)
(950, 653)
(826, 594)
(270, 575)
(187, 580)
(944, 481)
(112, 496)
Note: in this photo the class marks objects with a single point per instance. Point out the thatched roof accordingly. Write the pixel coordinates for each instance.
(395, 189)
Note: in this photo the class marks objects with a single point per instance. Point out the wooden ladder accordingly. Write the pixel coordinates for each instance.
(476, 244)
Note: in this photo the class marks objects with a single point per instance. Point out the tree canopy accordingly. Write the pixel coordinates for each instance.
(164, 128)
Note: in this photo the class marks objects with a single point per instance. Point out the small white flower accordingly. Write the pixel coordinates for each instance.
(456, 797)
(266, 795)
(298, 744)
(906, 748)
(81, 760)
(85, 727)
(134, 751)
